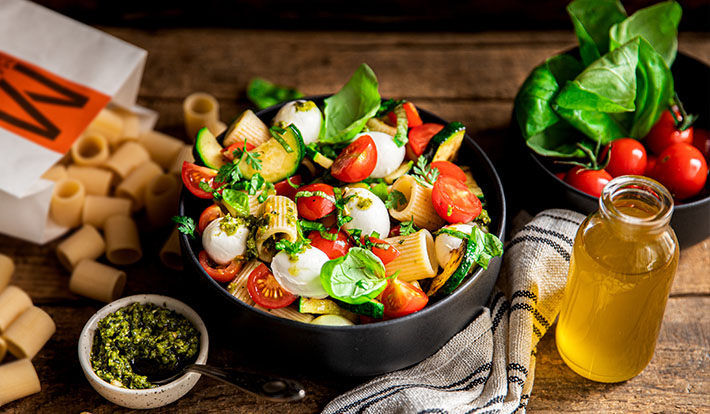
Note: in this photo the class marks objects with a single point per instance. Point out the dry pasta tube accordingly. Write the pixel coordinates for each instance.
(126, 158)
(107, 123)
(58, 172)
(98, 208)
(90, 149)
(201, 110)
(162, 148)
(97, 281)
(3, 348)
(219, 128)
(7, 268)
(85, 243)
(170, 254)
(133, 186)
(13, 302)
(123, 247)
(417, 259)
(247, 127)
(418, 207)
(279, 215)
(161, 198)
(131, 126)
(67, 202)
(185, 154)
(96, 181)
(28, 334)
(238, 286)
(18, 379)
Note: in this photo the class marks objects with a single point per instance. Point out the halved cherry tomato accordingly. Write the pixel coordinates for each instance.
(450, 169)
(217, 272)
(682, 169)
(589, 181)
(333, 248)
(420, 136)
(402, 298)
(356, 162)
(315, 207)
(193, 174)
(228, 152)
(413, 118)
(208, 215)
(266, 290)
(665, 133)
(453, 201)
(283, 188)
(626, 157)
(385, 251)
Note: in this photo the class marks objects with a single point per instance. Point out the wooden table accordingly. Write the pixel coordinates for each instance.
(468, 77)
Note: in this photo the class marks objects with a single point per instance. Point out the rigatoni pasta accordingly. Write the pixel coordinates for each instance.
(122, 243)
(97, 281)
(133, 186)
(185, 154)
(126, 158)
(85, 243)
(170, 254)
(418, 206)
(29, 332)
(67, 202)
(161, 197)
(107, 123)
(200, 110)
(162, 148)
(417, 259)
(7, 268)
(98, 208)
(13, 302)
(280, 222)
(96, 181)
(288, 313)
(247, 127)
(90, 149)
(56, 173)
(3, 348)
(18, 379)
(238, 286)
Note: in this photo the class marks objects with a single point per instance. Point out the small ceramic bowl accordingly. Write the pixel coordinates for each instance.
(152, 397)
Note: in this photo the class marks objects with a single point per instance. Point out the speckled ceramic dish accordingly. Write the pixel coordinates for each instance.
(148, 398)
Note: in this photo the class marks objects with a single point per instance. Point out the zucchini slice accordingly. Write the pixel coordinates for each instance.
(449, 269)
(467, 264)
(372, 308)
(280, 156)
(319, 158)
(324, 307)
(209, 150)
(471, 182)
(444, 146)
(400, 171)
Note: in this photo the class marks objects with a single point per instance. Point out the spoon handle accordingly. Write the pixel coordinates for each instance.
(272, 388)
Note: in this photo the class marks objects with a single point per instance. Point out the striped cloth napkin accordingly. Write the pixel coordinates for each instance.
(489, 366)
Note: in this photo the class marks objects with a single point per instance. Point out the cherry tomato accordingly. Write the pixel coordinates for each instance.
(453, 201)
(561, 175)
(356, 162)
(283, 188)
(385, 251)
(589, 181)
(664, 133)
(650, 165)
(315, 207)
(394, 231)
(402, 298)
(333, 248)
(419, 137)
(682, 169)
(217, 272)
(701, 141)
(626, 157)
(413, 118)
(228, 152)
(450, 169)
(193, 174)
(208, 215)
(266, 290)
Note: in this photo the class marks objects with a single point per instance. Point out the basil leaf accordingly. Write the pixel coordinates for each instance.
(347, 111)
(592, 20)
(654, 89)
(264, 94)
(237, 200)
(354, 278)
(486, 246)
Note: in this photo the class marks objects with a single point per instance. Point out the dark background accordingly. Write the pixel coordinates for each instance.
(398, 15)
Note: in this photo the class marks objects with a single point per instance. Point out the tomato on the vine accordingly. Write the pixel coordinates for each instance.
(316, 206)
(333, 248)
(401, 298)
(208, 215)
(682, 169)
(217, 272)
(626, 157)
(589, 181)
(193, 175)
(286, 187)
(419, 138)
(666, 133)
(356, 162)
(450, 169)
(650, 165)
(453, 200)
(266, 291)
(701, 141)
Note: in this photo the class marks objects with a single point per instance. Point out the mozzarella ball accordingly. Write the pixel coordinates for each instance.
(389, 155)
(368, 212)
(446, 243)
(301, 275)
(305, 115)
(223, 246)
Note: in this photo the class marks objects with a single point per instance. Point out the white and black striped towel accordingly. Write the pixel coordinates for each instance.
(489, 366)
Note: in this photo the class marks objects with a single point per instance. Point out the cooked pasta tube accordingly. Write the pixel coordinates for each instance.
(418, 206)
(96, 181)
(107, 123)
(255, 205)
(90, 149)
(57, 172)
(288, 313)
(238, 286)
(13, 302)
(123, 247)
(7, 268)
(3, 348)
(126, 158)
(67, 202)
(161, 199)
(247, 127)
(133, 186)
(185, 154)
(170, 254)
(18, 379)
(378, 125)
(201, 110)
(97, 281)
(98, 208)
(85, 243)
(279, 222)
(162, 148)
(417, 259)
(29, 332)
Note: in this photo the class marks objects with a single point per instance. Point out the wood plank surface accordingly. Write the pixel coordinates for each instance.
(468, 77)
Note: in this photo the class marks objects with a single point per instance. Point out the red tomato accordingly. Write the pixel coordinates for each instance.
(419, 137)
(626, 157)
(650, 165)
(453, 201)
(209, 214)
(701, 141)
(193, 174)
(413, 118)
(356, 162)
(402, 298)
(682, 169)
(385, 251)
(228, 152)
(315, 207)
(589, 181)
(217, 272)
(266, 290)
(283, 188)
(561, 175)
(394, 231)
(333, 248)
(664, 133)
(450, 169)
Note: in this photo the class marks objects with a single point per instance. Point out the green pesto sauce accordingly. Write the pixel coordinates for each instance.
(304, 106)
(141, 331)
(230, 224)
(363, 203)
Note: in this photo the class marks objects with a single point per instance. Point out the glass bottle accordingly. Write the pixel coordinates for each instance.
(624, 259)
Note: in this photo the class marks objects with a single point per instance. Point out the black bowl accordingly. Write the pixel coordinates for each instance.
(691, 218)
(361, 349)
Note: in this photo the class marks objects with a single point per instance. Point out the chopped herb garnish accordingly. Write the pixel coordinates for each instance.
(252, 158)
(449, 211)
(186, 225)
(388, 106)
(307, 225)
(407, 227)
(425, 173)
(292, 248)
(400, 137)
(276, 132)
(395, 199)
